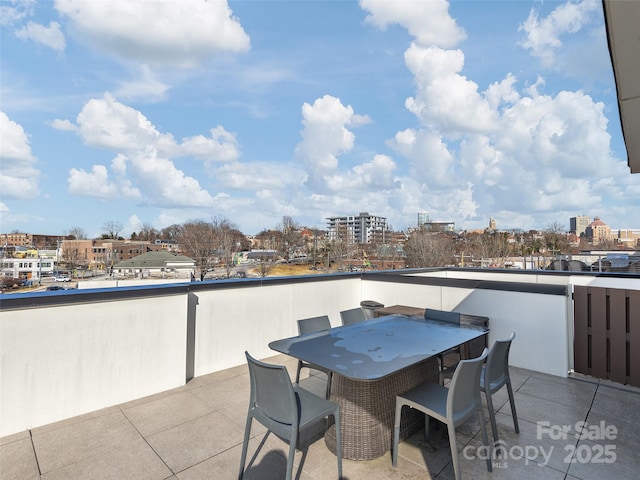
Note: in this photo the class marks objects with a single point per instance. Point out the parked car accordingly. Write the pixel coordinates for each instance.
(62, 278)
(54, 287)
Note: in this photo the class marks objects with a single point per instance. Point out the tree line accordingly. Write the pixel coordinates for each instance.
(214, 242)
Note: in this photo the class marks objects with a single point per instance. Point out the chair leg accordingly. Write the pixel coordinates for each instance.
(292, 453)
(245, 446)
(513, 407)
(336, 418)
(492, 415)
(396, 433)
(485, 439)
(454, 450)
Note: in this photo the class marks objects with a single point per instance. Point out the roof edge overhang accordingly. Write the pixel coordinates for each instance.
(622, 22)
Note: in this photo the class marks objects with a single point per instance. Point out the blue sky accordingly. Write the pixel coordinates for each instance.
(158, 112)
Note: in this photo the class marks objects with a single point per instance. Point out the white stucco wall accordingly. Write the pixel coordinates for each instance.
(60, 362)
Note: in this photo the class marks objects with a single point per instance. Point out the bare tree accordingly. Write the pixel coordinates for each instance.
(315, 247)
(264, 266)
(229, 240)
(490, 246)
(76, 233)
(148, 233)
(290, 235)
(555, 238)
(210, 242)
(171, 233)
(270, 239)
(338, 247)
(197, 239)
(426, 249)
(111, 229)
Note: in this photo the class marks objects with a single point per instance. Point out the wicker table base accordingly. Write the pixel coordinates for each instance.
(367, 410)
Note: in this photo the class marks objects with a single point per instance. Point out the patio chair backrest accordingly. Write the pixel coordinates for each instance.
(313, 324)
(353, 315)
(464, 390)
(442, 315)
(272, 397)
(497, 368)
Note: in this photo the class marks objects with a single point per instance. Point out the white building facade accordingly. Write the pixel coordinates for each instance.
(362, 228)
(27, 268)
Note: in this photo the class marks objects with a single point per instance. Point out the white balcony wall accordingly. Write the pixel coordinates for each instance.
(626, 283)
(230, 321)
(520, 276)
(62, 361)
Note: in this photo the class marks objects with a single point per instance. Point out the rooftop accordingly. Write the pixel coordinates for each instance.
(195, 432)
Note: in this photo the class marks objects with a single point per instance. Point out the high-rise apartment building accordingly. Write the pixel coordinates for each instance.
(362, 228)
(578, 225)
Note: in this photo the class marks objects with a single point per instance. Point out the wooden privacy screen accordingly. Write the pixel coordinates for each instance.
(607, 333)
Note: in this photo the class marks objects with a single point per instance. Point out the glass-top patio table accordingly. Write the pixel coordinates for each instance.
(372, 362)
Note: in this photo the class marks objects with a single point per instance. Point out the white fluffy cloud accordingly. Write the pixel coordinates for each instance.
(139, 30)
(134, 224)
(50, 36)
(13, 12)
(431, 160)
(15, 143)
(444, 98)
(18, 176)
(98, 183)
(543, 35)
(513, 150)
(146, 87)
(221, 146)
(325, 136)
(165, 185)
(94, 183)
(376, 174)
(429, 22)
(143, 167)
(107, 123)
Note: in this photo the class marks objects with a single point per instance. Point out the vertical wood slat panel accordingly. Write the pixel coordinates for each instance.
(580, 331)
(618, 335)
(634, 337)
(598, 332)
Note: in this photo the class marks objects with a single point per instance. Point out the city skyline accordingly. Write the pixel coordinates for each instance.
(575, 225)
(253, 111)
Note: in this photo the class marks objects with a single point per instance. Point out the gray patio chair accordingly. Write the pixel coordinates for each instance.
(285, 410)
(450, 317)
(494, 376)
(352, 315)
(312, 325)
(452, 406)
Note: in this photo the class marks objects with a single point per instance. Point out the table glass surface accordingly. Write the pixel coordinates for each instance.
(373, 349)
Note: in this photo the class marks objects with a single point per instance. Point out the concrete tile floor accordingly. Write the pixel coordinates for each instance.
(195, 432)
